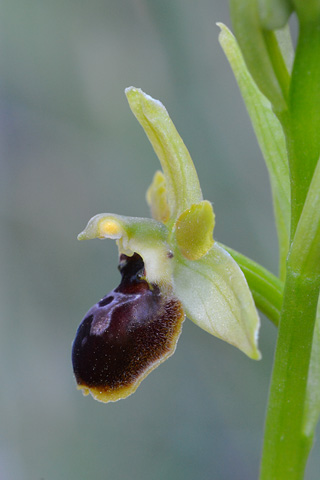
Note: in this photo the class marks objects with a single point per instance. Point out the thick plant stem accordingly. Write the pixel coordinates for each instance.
(304, 135)
(286, 448)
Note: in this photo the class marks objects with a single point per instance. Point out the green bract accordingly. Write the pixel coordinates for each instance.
(177, 246)
(270, 137)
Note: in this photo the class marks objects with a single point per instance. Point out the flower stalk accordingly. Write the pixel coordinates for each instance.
(286, 447)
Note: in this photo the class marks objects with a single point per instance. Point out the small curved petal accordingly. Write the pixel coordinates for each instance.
(194, 230)
(156, 197)
(215, 296)
(182, 181)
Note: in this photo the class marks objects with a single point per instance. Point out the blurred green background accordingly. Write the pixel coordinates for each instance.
(71, 148)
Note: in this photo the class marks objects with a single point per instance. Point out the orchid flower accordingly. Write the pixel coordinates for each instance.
(171, 267)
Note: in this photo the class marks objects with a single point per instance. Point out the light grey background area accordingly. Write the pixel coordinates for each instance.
(71, 148)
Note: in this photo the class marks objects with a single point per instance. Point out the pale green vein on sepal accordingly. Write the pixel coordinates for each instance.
(183, 188)
(312, 404)
(216, 297)
(270, 137)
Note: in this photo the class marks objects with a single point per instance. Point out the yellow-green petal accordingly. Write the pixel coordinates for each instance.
(156, 197)
(194, 230)
(182, 183)
(216, 297)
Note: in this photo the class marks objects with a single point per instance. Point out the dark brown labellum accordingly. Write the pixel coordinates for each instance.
(125, 335)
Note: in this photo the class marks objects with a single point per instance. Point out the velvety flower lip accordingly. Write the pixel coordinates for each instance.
(170, 266)
(125, 335)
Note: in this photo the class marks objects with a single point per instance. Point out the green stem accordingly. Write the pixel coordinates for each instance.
(286, 448)
(266, 288)
(304, 131)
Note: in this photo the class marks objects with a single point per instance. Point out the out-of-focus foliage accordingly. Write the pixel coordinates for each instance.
(69, 148)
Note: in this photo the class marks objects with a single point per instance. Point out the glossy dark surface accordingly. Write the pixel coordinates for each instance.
(128, 331)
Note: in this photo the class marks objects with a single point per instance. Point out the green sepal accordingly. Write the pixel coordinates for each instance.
(194, 230)
(266, 288)
(182, 183)
(216, 297)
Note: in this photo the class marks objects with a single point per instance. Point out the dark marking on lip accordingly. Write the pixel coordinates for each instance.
(127, 334)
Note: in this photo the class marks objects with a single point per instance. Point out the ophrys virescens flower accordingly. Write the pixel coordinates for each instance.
(170, 266)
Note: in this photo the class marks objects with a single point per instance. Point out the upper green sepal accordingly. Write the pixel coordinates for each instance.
(182, 183)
